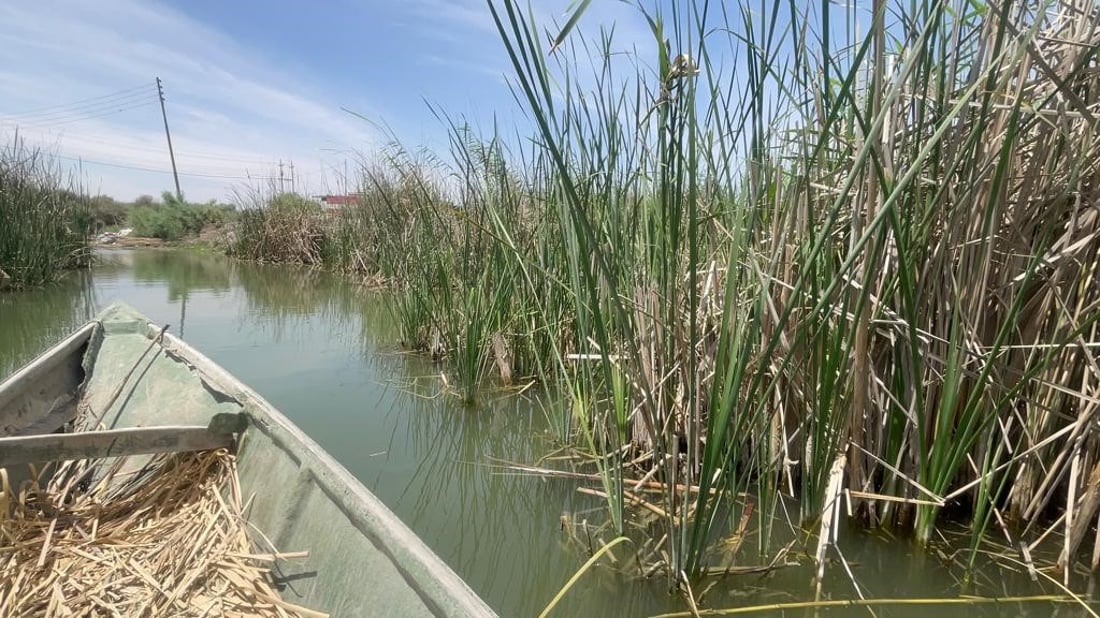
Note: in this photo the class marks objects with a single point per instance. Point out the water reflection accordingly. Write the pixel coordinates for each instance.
(180, 272)
(510, 547)
(284, 300)
(30, 321)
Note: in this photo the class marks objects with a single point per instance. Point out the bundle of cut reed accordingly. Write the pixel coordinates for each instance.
(168, 539)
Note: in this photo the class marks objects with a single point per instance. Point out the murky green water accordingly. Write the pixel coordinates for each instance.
(324, 352)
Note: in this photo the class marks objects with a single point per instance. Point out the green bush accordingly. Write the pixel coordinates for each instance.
(163, 222)
(175, 218)
(106, 212)
(213, 213)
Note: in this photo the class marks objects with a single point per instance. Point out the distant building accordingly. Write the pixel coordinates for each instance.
(334, 203)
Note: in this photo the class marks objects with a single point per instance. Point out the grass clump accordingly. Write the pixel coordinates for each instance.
(285, 228)
(456, 293)
(44, 222)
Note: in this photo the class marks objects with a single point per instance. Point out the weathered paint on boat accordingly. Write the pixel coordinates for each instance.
(363, 561)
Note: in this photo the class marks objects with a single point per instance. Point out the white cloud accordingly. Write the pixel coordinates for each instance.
(467, 25)
(231, 112)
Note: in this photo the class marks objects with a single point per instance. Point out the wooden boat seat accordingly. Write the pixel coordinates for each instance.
(42, 448)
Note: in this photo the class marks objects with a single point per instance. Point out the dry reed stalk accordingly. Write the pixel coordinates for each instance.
(635, 484)
(829, 518)
(871, 603)
(168, 540)
(632, 499)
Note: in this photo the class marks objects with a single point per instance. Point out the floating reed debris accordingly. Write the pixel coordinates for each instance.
(168, 539)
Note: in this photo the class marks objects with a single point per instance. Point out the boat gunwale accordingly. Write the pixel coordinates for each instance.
(450, 595)
(48, 360)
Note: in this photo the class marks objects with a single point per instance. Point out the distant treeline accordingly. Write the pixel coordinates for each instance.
(171, 218)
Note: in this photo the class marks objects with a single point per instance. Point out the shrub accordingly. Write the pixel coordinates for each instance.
(161, 221)
(105, 211)
(174, 218)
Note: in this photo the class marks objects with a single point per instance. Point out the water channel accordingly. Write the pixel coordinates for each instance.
(326, 353)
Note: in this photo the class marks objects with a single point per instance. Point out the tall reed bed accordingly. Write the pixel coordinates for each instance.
(769, 253)
(44, 220)
(278, 228)
(838, 255)
(288, 228)
(406, 229)
(851, 268)
(459, 290)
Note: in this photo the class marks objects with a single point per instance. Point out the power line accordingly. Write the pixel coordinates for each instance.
(185, 154)
(158, 171)
(215, 161)
(184, 157)
(225, 158)
(53, 123)
(82, 110)
(78, 103)
(88, 111)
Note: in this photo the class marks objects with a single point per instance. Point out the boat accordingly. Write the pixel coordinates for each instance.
(149, 392)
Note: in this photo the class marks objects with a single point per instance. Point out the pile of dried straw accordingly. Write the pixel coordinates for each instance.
(168, 539)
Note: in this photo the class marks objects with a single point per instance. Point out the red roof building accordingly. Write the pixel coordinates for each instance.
(340, 200)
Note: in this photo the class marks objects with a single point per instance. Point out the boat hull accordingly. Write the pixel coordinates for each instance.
(363, 561)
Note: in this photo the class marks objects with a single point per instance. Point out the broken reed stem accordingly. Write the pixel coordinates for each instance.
(635, 484)
(868, 603)
(169, 540)
(632, 499)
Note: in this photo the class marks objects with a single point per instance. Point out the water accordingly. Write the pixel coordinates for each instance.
(324, 352)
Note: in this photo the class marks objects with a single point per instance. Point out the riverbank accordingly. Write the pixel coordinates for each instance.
(211, 238)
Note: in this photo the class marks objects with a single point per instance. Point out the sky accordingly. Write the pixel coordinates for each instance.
(277, 93)
(251, 85)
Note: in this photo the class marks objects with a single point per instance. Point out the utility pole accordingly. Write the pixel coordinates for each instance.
(293, 186)
(282, 184)
(171, 154)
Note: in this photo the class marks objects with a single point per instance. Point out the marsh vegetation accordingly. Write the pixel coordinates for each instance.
(44, 218)
(843, 262)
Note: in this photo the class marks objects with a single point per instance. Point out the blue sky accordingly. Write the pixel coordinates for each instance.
(251, 83)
